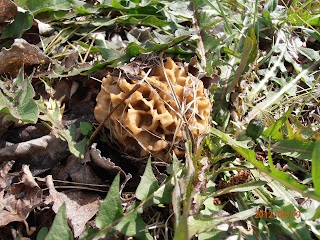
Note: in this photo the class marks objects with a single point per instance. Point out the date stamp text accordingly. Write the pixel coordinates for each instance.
(277, 214)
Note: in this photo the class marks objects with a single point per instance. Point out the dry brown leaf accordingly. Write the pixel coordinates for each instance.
(208, 82)
(21, 52)
(40, 153)
(44, 28)
(81, 173)
(103, 162)
(4, 169)
(20, 199)
(7, 10)
(26, 133)
(6, 120)
(71, 60)
(81, 207)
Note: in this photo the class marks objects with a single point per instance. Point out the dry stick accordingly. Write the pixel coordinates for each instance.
(136, 87)
(89, 49)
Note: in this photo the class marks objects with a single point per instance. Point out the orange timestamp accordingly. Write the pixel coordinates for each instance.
(275, 214)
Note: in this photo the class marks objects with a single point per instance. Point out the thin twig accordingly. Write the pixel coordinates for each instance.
(89, 49)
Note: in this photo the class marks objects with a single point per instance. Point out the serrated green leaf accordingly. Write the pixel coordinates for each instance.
(316, 167)
(284, 178)
(19, 99)
(240, 188)
(204, 224)
(294, 148)
(110, 208)
(148, 184)
(22, 22)
(247, 49)
(53, 116)
(60, 229)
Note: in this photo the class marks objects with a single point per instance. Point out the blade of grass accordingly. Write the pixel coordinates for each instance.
(316, 167)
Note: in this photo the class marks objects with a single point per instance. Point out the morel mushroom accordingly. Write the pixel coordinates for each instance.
(150, 120)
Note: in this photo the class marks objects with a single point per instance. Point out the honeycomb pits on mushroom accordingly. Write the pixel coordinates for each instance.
(149, 119)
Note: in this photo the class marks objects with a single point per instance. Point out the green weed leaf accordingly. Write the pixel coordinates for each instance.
(54, 116)
(240, 188)
(253, 53)
(247, 49)
(110, 208)
(274, 128)
(85, 128)
(133, 225)
(22, 22)
(294, 148)
(42, 233)
(284, 178)
(196, 225)
(181, 231)
(60, 229)
(148, 183)
(271, 5)
(41, 6)
(17, 98)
